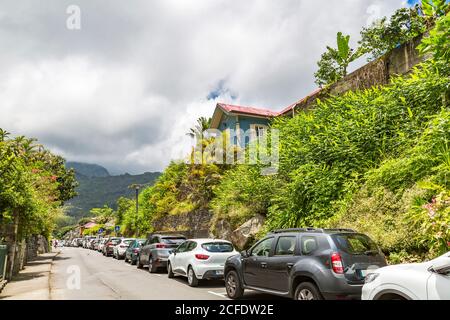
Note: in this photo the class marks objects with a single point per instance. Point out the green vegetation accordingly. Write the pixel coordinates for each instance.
(384, 35)
(376, 160)
(379, 38)
(34, 185)
(334, 62)
(94, 192)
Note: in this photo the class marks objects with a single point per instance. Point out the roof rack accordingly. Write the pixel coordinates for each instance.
(297, 230)
(340, 230)
(309, 229)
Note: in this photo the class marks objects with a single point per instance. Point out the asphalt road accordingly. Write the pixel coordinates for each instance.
(85, 274)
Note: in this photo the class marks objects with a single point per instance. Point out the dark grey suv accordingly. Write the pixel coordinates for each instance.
(305, 264)
(156, 250)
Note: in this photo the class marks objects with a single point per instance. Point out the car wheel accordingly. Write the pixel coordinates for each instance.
(307, 291)
(133, 261)
(125, 259)
(233, 285)
(192, 278)
(151, 266)
(170, 273)
(138, 263)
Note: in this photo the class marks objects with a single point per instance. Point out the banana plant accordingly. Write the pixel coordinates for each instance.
(334, 63)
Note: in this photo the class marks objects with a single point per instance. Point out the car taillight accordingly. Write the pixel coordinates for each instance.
(336, 263)
(109, 244)
(135, 250)
(160, 245)
(202, 256)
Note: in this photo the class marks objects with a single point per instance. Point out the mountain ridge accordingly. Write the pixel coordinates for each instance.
(97, 189)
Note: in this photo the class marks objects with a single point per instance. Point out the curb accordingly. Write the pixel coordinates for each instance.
(50, 274)
(3, 284)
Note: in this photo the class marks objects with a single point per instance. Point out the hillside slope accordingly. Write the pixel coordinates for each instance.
(97, 188)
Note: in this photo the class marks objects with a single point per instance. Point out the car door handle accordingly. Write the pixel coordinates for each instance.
(263, 265)
(290, 265)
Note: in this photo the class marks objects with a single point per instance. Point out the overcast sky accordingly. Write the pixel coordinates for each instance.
(123, 90)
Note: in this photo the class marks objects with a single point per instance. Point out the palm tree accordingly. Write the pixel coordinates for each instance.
(202, 125)
(3, 134)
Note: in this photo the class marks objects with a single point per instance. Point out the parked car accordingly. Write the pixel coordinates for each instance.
(121, 247)
(200, 259)
(77, 242)
(132, 251)
(92, 243)
(101, 244)
(96, 244)
(156, 250)
(305, 264)
(414, 281)
(87, 241)
(110, 243)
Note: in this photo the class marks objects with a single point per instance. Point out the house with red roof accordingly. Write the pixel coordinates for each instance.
(252, 119)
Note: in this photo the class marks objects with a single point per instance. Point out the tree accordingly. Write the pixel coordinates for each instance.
(334, 62)
(104, 214)
(384, 35)
(434, 8)
(202, 125)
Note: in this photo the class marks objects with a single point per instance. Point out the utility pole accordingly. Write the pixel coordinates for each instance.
(137, 209)
(136, 187)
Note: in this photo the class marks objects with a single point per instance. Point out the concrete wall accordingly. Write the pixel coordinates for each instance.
(399, 61)
(21, 251)
(191, 224)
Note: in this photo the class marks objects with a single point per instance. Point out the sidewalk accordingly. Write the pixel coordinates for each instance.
(32, 283)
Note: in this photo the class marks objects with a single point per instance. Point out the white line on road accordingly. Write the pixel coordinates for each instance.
(222, 295)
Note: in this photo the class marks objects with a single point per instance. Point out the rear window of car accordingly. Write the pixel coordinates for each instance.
(218, 247)
(173, 240)
(115, 241)
(355, 243)
(128, 241)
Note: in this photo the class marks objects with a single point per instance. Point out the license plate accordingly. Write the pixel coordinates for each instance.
(219, 272)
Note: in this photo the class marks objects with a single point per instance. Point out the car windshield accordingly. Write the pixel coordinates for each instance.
(354, 243)
(173, 240)
(218, 247)
(115, 241)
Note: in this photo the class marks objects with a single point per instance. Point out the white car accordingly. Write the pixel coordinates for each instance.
(200, 259)
(120, 249)
(416, 281)
(101, 244)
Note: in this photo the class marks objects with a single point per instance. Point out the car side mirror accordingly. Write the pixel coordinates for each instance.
(244, 254)
(441, 266)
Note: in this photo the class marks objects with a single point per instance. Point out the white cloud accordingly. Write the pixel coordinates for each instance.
(124, 89)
